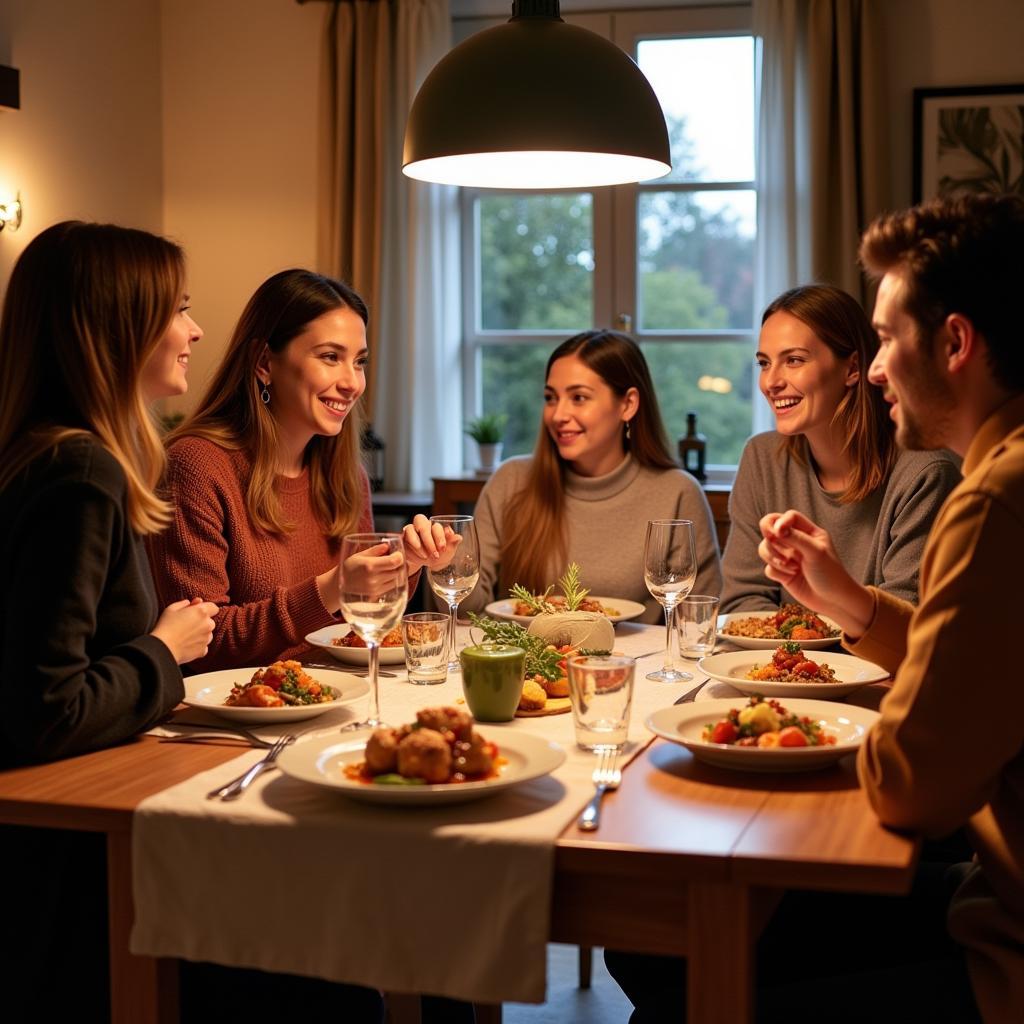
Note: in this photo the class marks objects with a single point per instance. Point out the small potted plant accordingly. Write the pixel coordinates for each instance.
(487, 431)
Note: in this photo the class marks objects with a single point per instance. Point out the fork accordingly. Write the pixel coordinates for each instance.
(219, 732)
(607, 775)
(236, 787)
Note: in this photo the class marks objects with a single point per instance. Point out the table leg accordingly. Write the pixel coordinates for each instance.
(143, 989)
(721, 963)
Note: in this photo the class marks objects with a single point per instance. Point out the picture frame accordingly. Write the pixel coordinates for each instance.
(968, 137)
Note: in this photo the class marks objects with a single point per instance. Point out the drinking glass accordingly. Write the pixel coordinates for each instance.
(374, 613)
(601, 692)
(456, 580)
(697, 622)
(670, 570)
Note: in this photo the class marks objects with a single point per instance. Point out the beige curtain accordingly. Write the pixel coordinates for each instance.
(394, 239)
(821, 159)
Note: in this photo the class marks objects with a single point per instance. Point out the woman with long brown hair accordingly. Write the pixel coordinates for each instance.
(600, 470)
(95, 328)
(266, 478)
(832, 455)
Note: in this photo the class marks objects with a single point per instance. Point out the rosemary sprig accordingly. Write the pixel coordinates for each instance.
(571, 587)
(541, 658)
(537, 602)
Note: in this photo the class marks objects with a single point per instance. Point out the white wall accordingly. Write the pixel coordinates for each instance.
(87, 140)
(240, 82)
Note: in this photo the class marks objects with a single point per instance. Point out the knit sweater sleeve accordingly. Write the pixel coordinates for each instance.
(193, 557)
(919, 485)
(746, 586)
(78, 668)
(489, 514)
(693, 505)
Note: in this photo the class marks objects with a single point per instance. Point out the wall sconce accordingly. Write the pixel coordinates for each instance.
(10, 214)
(536, 103)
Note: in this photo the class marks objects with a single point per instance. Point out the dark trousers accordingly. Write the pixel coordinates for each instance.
(836, 957)
(53, 926)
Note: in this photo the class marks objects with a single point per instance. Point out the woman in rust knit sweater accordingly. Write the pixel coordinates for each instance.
(265, 477)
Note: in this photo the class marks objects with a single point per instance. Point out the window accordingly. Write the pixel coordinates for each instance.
(669, 261)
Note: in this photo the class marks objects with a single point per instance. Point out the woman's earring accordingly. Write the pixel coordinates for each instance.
(628, 435)
(265, 395)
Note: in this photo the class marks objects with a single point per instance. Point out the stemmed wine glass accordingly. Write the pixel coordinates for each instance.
(670, 569)
(373, 609)
(456, 580)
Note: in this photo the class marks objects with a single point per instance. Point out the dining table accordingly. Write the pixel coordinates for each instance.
(690, 859)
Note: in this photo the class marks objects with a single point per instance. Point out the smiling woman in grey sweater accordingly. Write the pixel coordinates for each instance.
(601, 469)
(833, 455)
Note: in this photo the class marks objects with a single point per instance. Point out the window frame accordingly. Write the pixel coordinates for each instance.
(615, 214)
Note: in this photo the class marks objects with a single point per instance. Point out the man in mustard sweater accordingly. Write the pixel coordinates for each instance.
(948, 751)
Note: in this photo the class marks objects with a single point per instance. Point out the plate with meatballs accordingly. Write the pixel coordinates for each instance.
(282, 692)
(792, 672)
(441, 758)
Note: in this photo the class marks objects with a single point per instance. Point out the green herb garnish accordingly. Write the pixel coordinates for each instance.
(541, 658)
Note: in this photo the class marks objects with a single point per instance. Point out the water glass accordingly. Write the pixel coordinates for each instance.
(425, 638)
(601, 693)
(697, 616)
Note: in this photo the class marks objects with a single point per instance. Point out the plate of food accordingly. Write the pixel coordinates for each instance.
(441, 758)
(764, 631)
(281, 692)
(616, 609)
(792, 672)
(763, 735)
(343, 643)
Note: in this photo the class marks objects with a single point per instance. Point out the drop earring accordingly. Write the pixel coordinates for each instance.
(628, 435)
(265, 395)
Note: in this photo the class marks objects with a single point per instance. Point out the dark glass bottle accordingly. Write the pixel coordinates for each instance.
(692, 449)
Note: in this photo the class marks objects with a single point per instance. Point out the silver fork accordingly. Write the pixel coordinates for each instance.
(236, 787)
(219, 732)
(607, 775)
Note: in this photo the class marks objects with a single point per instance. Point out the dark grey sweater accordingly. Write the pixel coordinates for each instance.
(78, 668)
(879, 540)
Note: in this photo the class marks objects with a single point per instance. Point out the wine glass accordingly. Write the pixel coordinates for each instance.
(670, 569)
(456, 580)
(373, 610)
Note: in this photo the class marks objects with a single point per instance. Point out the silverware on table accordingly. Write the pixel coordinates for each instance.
(338, 667)
(236, 787)
(607, 775)
(224, 734)
(691, 695)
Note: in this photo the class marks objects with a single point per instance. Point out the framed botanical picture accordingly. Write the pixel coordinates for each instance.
(968, 137)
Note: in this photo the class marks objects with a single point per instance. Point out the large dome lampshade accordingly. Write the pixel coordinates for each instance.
(536, 103)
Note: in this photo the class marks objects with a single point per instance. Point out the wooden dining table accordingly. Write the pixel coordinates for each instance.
(690, 859)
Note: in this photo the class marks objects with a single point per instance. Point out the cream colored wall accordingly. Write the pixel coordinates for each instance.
(931, 43)
(239, 120)
(87, 140)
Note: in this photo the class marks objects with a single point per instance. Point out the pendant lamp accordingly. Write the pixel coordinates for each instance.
(536, 103)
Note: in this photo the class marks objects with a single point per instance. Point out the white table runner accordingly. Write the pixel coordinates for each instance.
(453, 900)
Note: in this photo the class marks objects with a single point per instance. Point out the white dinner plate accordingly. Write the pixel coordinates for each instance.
(751, 643)
(352, 655)
(627, 610)
(851, 674)
(684, 723)
(321, 761)
(209, 691)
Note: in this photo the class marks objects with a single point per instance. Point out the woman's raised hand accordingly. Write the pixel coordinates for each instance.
(372, 571)
(186, 627)
(800, 556)
(429, 544)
